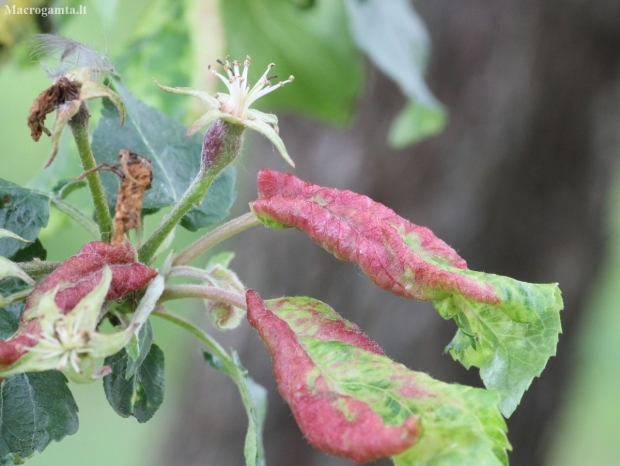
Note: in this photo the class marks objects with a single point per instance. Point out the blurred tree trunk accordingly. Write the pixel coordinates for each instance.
(517, 184)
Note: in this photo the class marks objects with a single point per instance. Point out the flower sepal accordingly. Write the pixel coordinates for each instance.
(234, 107)
(71, 342)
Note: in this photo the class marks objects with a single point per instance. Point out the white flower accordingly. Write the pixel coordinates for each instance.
(234, 107)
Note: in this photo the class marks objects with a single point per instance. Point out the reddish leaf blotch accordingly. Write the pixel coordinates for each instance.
(332, 422)
(80, 274)
(400, 257)
(76, 277)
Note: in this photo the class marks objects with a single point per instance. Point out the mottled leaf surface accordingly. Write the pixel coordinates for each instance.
(23, 212)
(509, 353)
(37, 407)
(502, 317)
(140, 395)
(350, 400)
(175, 160)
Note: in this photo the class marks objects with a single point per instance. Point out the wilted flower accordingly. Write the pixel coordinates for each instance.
(234, 107)
(71, 87)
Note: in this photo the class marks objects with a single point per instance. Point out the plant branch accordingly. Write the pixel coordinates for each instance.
(37, 268)
(77, 216)
(221, 233)
(189, 272)
(213, 346)
(203, 291)
(79, 128)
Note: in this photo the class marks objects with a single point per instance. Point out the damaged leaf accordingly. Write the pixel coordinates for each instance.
(498, 317)
(135, 174)
(350, 400)
(80, 274)
(50, 99)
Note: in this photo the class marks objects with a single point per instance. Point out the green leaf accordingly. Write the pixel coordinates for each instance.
(22, 211)
(254, 397)
(10, 314)
(415, 123)
(137, 349)
(141, 395)
(396, 40)
(160, 48)
(9, 234)
(350, 399)
(37, 408)
(312, 44)
(35, 250)
(11, 269)
(175, 160)
(510, 347)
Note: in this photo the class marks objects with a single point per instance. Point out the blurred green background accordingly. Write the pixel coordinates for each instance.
(588, 426)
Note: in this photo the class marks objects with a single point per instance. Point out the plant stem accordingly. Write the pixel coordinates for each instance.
(204, 292)
(231, 366)
(213, 346)
(214, 237)
(37, 268)
(79, 128)
(221, 145)
(75, 215)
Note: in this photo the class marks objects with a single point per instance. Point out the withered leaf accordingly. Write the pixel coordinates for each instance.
(135, 173)
(62, 91)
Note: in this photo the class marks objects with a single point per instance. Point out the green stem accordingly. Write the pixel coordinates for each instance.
(214, 237)
(77, 216)
(231, 366)
(193, 196)
(221, 145)
(79, 128)
(213, 346)
(38, 268)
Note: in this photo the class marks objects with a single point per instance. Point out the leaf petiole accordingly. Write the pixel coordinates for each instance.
(202, 291)
(216, 236)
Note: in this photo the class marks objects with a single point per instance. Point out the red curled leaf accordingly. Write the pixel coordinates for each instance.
(498, 317)
(76, 277)
(12, 349)
(406, 259)
(332, 422)
(350, 400)
(80, 274)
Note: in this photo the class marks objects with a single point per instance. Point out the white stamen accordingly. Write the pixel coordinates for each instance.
(241, 95)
